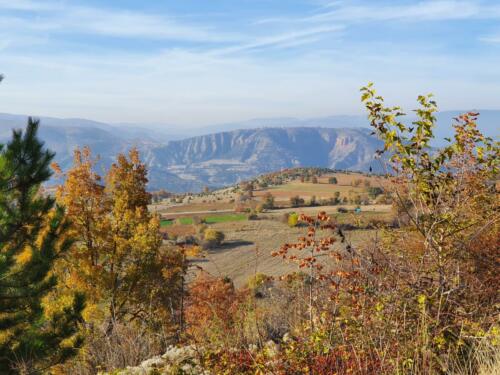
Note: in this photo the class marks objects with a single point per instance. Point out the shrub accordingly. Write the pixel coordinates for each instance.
(268, 201)
(293, 220)
(383, 199)
(284, 218)
(357, 182)
(375, 223)
(212, 238)
(258, 284)
(375, 191)
(333, 180)
(126, 345)
(212, 310)
(252, 216)
(326, 202)
(313, 202)
(336, 198)
(296, 201)
(201, 228)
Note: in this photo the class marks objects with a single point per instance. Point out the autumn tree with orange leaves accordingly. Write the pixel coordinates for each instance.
(118, 259)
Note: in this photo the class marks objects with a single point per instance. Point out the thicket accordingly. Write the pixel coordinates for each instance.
(420, 298)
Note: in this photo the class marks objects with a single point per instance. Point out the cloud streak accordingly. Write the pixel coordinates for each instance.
(352, 12)
(70, 19)
(491, 38)
(29, 5)
(422, 11)
(283, 40)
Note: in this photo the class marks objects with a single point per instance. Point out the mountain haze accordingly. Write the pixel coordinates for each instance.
(226, 153)
(488, 123)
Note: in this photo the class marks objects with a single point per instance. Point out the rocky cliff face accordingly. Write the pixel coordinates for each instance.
(226, 158)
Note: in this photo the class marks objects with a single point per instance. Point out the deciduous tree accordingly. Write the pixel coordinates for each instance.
(119, 259)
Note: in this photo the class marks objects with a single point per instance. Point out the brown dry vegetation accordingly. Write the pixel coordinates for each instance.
(248, 246)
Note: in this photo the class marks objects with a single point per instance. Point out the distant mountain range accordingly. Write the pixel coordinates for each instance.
(224, 158)
(488, 123)
(225, 154)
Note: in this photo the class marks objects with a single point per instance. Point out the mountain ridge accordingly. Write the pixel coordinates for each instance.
(225, 157)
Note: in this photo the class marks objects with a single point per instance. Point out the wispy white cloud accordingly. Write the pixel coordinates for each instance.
(352, 12)
(134, 24)
(29, 5)
(287, 39)
(65, 19)
(491, 38)
(421, 11)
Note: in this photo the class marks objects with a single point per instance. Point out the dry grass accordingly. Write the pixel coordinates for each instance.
(248, 246)
(484, 361)
(349, 178)
(324, 190)
(307, 189)
(179, 230)
(193, 206)
(125, 346)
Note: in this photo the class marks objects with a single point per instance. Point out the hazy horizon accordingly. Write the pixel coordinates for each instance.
(185, 130)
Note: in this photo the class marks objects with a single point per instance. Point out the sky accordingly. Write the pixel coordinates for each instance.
(195, 62)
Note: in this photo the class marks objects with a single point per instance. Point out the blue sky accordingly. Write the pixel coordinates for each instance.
(195, 62)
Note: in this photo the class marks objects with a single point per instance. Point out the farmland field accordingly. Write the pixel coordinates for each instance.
(248, 247)
(207, 220)
(306, 189)
(347, 184)
(248, 243)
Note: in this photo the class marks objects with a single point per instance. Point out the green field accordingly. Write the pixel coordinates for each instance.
(181, 220)
(208, 219)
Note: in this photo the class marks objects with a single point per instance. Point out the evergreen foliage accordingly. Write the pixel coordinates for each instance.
(32, 237)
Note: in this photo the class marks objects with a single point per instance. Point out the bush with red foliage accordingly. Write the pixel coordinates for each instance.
(212, 309)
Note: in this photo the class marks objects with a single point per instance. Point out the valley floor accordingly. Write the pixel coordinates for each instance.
(248, 246)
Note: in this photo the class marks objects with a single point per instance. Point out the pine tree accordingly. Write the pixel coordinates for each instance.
(32, 237)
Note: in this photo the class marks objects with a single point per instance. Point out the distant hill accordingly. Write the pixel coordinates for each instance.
(128, 132)
(105, 140)
(224, 154)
